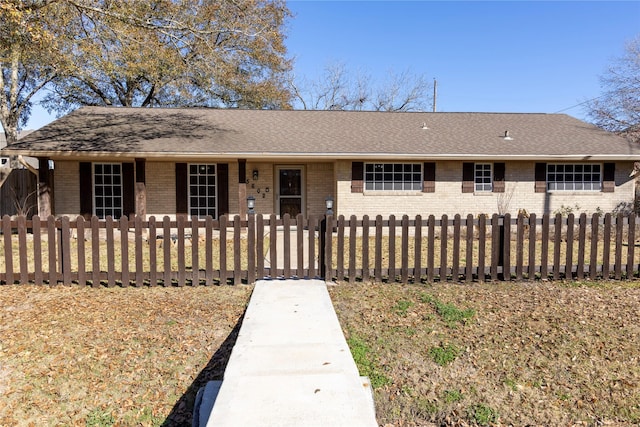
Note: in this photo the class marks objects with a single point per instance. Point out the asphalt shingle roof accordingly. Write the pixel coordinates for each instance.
(164, 132)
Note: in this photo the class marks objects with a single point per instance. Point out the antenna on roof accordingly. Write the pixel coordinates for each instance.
(435, 93)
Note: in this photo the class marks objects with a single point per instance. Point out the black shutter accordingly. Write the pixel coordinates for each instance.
(541, 178)
(467, 178)
(128, 190)
(429, 178)
(609, 178)
(498, 178)
(182, 189)
(223, 189)
(86, 192)
(357, 177)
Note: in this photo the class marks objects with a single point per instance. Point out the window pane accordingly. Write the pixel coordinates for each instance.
(393, 176)
(573, 177)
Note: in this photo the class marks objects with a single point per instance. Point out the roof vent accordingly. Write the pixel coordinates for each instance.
(506, 136)
(424, 126)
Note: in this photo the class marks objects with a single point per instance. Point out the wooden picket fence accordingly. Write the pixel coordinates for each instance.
(234, 250)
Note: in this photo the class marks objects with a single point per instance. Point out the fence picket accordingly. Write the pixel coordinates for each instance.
(506, 242)
(618, 253)
(582, 233)
(568, 267)
(166, 247)
(556, 246)
(519, 247)
(273, 247)
(431, 249)
(365, 248)
(237, 266)
(124, 250)
(153, 254)
(455, 263)
(482, 243)
(352, 248)
(469, 250)
(631, 241)
(593, 261)
(286, 252)
(377, 270)
(222, 244)
(22, 249)
(37, 251)
(195, 252)
(531, 273)
(299, 246)
(260, 247)
(139, 277)
(180, 236)
(95, 252)
(404, 250)
(65, 250)
(340, 248)
(544, 249)
(606, 247)
(8, 250)
(417, 251)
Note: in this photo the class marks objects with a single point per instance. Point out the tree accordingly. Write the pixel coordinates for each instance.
(28, 59)
(337, 89)
(618, 109)
(142, 53)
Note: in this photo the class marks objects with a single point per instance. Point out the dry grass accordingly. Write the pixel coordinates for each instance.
(119, 356)
(443, 354)
(529, 354)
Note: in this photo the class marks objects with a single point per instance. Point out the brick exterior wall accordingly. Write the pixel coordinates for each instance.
(66, 177)
(322, 179)
(161, 189)
(449, 199)
(320, 184)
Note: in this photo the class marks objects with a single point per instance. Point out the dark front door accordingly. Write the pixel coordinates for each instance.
(289, 191)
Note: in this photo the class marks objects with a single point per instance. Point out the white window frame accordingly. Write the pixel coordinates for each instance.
(571, 177)
(483, 177)
(392, 176)
(201, 183)
(107, 190)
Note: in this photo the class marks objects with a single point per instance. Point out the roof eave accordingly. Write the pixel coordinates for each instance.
(321, 156)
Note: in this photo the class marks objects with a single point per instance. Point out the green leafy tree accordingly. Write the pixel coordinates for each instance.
(223, 53)
(618, 109)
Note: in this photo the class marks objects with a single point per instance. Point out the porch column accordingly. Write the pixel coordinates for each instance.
(242, 187)
(141, 189)
(45, 188)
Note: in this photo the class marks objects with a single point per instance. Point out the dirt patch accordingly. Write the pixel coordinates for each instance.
(111, 356)
(525, 354)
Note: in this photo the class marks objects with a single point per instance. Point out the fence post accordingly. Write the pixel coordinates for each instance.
(323, 238)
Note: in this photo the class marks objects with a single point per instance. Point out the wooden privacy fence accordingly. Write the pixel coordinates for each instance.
(179, 252)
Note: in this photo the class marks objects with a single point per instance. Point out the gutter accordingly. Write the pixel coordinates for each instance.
(322, 156)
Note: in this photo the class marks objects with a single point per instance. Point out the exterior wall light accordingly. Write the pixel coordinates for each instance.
(251, 204)
(329, 205)
(255, 174)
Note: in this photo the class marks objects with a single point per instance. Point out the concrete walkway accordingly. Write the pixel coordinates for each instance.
(290, 366)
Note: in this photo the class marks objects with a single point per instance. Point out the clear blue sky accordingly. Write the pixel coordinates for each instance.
(507, 56)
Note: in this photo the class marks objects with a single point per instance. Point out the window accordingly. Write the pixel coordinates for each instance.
(574, 177)
(483, 177)
(202, 190)
(107, 189)
(393, 176)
